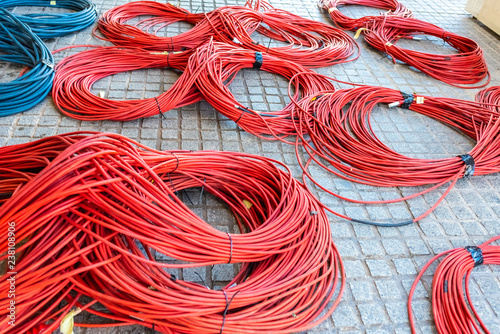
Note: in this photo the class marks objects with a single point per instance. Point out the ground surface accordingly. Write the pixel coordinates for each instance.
(381, 263)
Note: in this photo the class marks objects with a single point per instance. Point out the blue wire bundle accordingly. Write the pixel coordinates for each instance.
(18, 44)
(56, 25)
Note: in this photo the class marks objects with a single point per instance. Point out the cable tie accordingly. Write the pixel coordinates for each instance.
(258, 60)
(231, 244)
(177, 165)
(160, 112)
(244, 111)
(226, 309)
(332, 9)
(201, 193)
(45, 62)
(408, 100)
(476, 253)
(172, 184)
(389, 44)
(470, 165)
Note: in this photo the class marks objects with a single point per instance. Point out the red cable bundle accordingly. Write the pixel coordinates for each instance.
(344, 22)
(465, 68)
(452, 313)
(490, 98)
(342, 142)
(311, 43)
(76, 74)
(215, 65)
(88, 222)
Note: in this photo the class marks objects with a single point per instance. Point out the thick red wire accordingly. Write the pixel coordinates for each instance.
(452, 306)
(466, 67)
(341, 140)
(344, 22)
(310, 43)
(91, 217)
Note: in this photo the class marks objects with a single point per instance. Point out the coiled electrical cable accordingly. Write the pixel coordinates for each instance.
(214, 66)
(490, 97)
(468, 67)
(344, 22)
(20, 46)
(86, 216)
(51, 25)
(77, 73)
(310, 43)
(341, 140)
(452, 307)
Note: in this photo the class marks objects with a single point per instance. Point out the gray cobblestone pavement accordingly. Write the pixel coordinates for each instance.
(381, 263)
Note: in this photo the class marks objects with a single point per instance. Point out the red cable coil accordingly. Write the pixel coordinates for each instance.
(341, 141)
(344, 22)
(452, 313)
(84, 217)
(76, 74)
(311, 43)
(468, 67)
(215, 65)
(490, 98)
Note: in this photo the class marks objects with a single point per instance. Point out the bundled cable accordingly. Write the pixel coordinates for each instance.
(215, 65)
(77, 73)
(50, 25)
(310, 43)
(19, 45)
(342, 142)
(467, 67)
(490, 98)
(86, 225)
(452, 305)
(344, 22)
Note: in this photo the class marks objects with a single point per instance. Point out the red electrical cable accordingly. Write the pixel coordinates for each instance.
(76, 74)
(215, 65)
(89, 220)
(490, 98)
(340, 140)
(452, 313)
(310, 43)
(344, 22)
(467, 67)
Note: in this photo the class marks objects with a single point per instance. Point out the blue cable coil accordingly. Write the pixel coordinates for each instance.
(50, 25)
(18, 44)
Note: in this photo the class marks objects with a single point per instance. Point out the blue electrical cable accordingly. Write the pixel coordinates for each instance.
(55, 25)
(18, 44)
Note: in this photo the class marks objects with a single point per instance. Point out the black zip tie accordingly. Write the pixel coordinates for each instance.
(244, 111)
(201, 193)
(175, 190)
(408, 100)
(187, 195)
(226, 309)
(204, 283)
(258, 60)
(470, 165)
(168, 60)
(159, 109)
(172, 42)
(445, 287)
(268, 45)
(177, 165)
(476, 253)
(231, 243)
